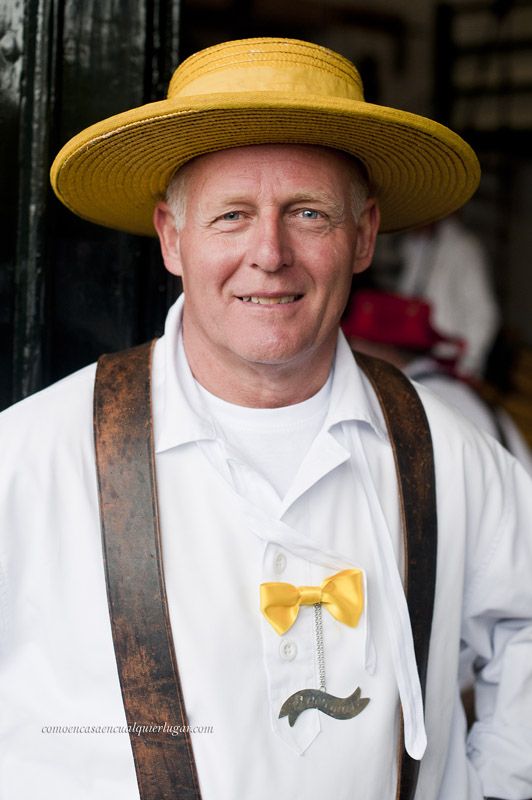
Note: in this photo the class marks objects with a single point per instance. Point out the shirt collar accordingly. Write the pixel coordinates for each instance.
(180, 415)
(352, 398)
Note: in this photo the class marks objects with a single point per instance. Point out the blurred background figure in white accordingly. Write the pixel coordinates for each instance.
(447, 265)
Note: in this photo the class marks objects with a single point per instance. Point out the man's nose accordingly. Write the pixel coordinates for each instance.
(270, 248)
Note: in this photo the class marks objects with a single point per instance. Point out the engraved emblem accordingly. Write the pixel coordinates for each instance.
(337, 707)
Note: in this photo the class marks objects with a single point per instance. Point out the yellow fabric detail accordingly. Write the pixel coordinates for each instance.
(282, 77)
(341, 594)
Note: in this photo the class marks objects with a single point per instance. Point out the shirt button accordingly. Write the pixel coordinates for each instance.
(279, 563)
(288, 650)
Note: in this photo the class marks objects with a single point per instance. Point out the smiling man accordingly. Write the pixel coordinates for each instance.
(267, 247)
(271, 614)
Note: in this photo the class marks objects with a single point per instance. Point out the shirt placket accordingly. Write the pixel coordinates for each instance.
(290, 660)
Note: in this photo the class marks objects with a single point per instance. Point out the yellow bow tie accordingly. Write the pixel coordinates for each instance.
(342, 594)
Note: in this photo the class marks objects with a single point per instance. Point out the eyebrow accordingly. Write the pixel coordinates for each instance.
(304, 196)
(317, 197)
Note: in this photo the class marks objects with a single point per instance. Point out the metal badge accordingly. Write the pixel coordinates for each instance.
(337, 707)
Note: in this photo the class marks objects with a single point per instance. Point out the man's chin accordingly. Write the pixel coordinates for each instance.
(279, 355)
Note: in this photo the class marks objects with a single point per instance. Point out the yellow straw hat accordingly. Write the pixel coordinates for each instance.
(263, 91)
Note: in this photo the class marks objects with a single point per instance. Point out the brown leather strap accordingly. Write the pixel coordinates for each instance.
(409, 433)
(138, 608)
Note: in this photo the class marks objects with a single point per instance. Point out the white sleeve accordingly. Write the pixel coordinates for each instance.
(498, 627)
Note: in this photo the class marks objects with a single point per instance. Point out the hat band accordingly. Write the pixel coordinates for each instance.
(282, 77)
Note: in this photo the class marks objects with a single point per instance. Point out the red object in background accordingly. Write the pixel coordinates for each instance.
(400, 321)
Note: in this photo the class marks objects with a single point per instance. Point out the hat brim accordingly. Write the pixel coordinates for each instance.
(114, 172)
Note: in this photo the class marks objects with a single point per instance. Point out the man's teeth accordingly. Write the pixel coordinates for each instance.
(270, 301)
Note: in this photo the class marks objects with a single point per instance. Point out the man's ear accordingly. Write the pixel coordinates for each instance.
(164, 224)
(367, 229)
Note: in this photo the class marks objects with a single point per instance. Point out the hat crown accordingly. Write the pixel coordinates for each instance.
(301, 69)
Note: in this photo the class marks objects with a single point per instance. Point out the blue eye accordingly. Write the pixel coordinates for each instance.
(231, 216)
(309, 213)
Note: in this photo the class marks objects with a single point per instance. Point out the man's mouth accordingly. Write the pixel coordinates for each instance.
(262, 300)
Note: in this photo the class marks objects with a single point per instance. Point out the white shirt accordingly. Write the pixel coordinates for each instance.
(57, 662)
(274, 441)
(459, 395)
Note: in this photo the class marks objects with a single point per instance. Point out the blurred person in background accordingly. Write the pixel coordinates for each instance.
(447, 265)
(403, 331)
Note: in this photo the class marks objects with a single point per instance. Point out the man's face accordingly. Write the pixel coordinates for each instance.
(266, 252)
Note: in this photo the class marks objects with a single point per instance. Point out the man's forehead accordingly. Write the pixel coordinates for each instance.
(303, 168)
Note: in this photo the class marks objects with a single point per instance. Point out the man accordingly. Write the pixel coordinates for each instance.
(273, 466)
